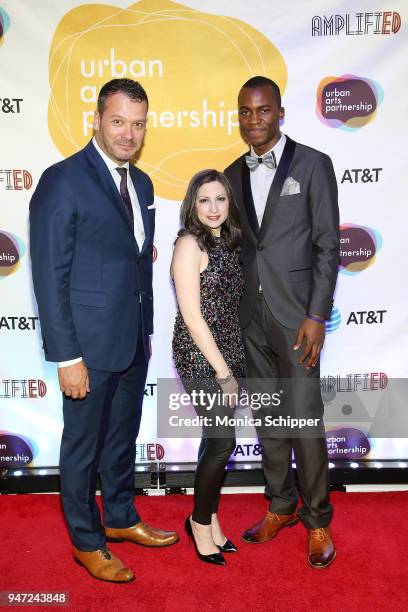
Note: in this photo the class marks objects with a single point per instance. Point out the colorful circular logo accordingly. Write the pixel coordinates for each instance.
(154, 254)
(334, 321)
(358, 247)
(347, 443)
(15, 451)
(11, 250)
(4, 24)
(348, 102)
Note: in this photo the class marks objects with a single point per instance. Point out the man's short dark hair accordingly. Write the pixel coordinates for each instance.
(261, 81)
(131, 89)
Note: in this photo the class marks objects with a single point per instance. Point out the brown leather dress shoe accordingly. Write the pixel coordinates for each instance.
(103, 565)
(321, 547)
(269, 527)
(143, 534)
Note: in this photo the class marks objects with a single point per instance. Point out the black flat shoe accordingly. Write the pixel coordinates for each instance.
(214, 558)
(228, 547)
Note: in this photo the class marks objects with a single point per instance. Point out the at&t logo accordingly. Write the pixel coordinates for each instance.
(334, 322)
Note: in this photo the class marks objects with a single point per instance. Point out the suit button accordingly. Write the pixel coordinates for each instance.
(260, 247)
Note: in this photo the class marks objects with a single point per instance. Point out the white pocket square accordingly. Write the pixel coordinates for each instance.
(152, 206)
(290, 187)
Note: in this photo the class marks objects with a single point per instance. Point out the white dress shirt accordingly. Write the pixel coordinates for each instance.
(262, 177)
(137, 215)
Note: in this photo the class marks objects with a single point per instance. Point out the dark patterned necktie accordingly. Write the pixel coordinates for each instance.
(125, 195)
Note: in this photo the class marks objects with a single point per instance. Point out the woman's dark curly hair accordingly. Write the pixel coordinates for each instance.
(230, 229)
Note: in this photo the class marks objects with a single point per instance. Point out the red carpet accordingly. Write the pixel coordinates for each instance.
(370, 572)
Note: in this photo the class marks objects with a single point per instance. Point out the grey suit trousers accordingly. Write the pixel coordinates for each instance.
(272, 365)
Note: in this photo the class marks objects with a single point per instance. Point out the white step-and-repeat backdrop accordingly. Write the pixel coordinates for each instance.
(340, 66)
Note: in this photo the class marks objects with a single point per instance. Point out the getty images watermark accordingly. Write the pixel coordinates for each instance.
(183, 412)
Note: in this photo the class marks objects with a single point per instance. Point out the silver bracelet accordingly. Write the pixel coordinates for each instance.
(224, 381)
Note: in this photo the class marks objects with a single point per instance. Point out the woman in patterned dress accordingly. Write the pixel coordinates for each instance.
(207, 344)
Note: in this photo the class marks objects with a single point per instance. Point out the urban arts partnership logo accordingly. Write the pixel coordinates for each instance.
(347, 102)
(165, 45)
(347, 443)
(4, 24)
(358, 248)
(359, 24)
(15, 450)
(11, 250)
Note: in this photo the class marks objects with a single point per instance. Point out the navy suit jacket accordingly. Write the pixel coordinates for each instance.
(93, 286)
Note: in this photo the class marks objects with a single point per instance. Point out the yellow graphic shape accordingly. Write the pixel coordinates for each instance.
(192, 65)
(359, 266)
(7, 270)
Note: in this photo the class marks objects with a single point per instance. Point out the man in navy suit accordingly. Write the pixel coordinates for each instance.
(91, 229)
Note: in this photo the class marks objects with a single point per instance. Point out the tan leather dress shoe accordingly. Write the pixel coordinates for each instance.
(143, 534)
(103, 565)
(321, 547)
(269, 527)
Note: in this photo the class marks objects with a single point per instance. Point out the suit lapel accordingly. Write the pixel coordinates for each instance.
(107, 183)
(277, 184)
(248, 199)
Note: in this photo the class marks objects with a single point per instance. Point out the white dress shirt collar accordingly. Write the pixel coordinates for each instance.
(277, 149)
(112, 165)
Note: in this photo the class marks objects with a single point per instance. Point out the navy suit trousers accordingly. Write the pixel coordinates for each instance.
(99, 438)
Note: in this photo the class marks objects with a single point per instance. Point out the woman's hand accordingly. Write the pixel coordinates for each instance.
(230, 390)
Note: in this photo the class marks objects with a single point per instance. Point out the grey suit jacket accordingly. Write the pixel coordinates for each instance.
(294, 255)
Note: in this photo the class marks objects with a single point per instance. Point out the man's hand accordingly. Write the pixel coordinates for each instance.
(74, 380)
(313, 334)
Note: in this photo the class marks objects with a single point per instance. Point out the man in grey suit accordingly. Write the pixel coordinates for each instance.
(287, 196)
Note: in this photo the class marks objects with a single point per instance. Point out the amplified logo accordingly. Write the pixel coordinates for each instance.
(366, 317)
(31, 388)
(361, 175)
(348, 102)
(334, 321)
(358, 381)
(149, 452)
(358, 248)
(146, 41)
(15, 451)
(359, 24)
(18, 323)
(4, 24)
(11, 251)
(16, 180)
